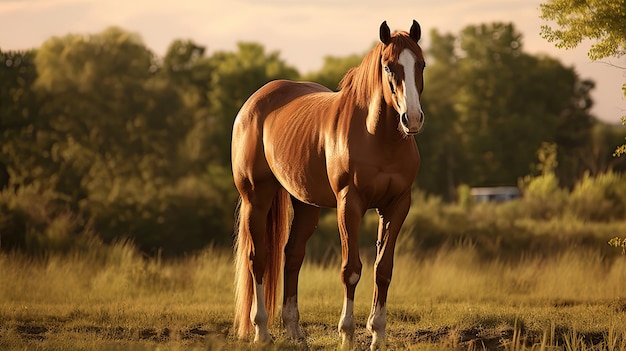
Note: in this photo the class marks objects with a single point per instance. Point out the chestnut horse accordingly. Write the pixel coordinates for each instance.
(299, 145)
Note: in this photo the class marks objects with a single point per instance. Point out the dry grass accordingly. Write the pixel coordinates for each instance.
(115, 299)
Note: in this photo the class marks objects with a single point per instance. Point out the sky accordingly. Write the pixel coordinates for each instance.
(303, 31)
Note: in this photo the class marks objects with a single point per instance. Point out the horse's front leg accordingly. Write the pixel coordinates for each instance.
(391, 220)
(349, 214)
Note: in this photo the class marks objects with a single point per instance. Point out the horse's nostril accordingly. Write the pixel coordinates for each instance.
(405, 120)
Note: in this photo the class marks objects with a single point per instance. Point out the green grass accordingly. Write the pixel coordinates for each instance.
(115, 299)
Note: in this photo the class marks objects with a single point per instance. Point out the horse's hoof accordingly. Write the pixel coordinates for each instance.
(347, 342)
(262, 339)
(378, 339)
(295, 333)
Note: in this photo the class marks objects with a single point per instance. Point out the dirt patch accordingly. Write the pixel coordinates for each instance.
(40, 332)
(32, 332)
(482, 339)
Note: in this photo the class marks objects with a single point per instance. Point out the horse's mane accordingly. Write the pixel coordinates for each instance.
(364, 80)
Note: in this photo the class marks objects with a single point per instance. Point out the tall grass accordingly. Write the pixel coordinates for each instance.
(117, 297)
(110, 272)
(454, 299)
(113, 298)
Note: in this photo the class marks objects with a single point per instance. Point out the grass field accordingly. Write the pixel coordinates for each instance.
(114, 299)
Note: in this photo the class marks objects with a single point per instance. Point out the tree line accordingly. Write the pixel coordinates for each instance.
(102, 139)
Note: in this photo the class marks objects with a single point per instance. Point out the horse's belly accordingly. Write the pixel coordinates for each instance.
(304, 177)
(308, 185)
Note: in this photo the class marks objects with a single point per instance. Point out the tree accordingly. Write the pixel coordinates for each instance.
(19, 106)
(602, 21)
(189, 71)
(234, 77)
(489, 106)
(439, 145)
(333, 70)
(598, 20)
(105, 114)
(134, 145)
(512, 102)
(488, 103)
(598, 157)
(621, 150)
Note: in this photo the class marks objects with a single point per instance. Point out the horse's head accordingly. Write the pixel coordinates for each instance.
(403, 65)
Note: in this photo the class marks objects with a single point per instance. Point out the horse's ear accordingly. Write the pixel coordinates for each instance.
(385, 33)
(416, 31)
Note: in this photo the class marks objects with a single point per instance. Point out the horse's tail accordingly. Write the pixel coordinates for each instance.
(277, 235)
(243, 277)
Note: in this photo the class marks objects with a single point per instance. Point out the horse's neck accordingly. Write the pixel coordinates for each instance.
(378, 120)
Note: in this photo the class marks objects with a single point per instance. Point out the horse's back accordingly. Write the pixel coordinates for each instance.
(276, 94)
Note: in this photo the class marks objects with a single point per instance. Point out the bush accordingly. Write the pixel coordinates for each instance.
(599, 198)
(37, 220)
(543, 198)
(187, 215)
(167, 219)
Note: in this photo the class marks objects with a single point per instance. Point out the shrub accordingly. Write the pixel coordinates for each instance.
(599, 198)
(464, 196)
(543, 198)
(167, 219)
(38, 220)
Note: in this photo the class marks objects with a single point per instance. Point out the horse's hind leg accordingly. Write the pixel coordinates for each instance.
(255, 208)
(304, 222)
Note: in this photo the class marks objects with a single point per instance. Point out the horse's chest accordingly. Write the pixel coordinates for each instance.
(379, 185)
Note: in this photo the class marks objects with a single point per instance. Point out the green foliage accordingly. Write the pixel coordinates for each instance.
(102, 140)
(333, 69)
(17, 74)
(171, 219)
(621, 150)
(94, 63)
(598, 158)
(441, 145)
(465, 198)
(543, 196)
(234, 77)
(19, 108)
(618, 242)
(125, 140)
(599, 20)
(548, 218)
(38, 220)
(486, 113)
(547, 158)
(599, 198)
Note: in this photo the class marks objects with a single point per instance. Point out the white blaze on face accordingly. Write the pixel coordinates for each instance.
(411, 95)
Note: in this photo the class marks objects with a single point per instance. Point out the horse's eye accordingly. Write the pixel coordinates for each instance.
(389, 72)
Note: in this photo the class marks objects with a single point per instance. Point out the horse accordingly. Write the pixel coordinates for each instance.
(298, 147)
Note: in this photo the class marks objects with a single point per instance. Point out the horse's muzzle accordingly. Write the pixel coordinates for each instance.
(412, 126)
